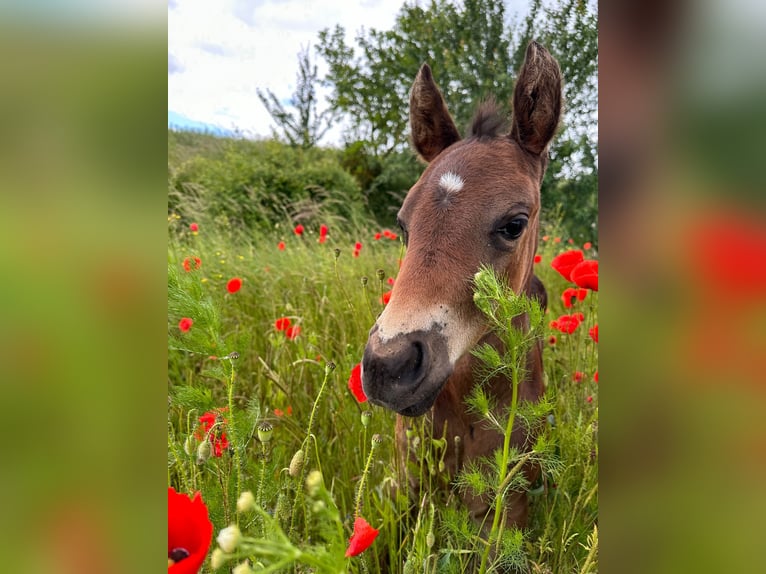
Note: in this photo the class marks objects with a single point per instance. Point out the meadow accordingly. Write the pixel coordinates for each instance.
(265, 326)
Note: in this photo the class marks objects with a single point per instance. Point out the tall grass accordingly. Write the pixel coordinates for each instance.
(235, 363)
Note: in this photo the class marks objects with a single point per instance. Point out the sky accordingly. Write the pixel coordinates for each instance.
(221, 51)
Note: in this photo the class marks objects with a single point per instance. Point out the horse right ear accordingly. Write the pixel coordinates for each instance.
(432, 127)
(536, 100)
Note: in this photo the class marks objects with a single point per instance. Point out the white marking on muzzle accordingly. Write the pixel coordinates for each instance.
(440, 318)
(451, 182)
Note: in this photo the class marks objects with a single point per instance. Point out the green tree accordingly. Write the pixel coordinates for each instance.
(305, 126)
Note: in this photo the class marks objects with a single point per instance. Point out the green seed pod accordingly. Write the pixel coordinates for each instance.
(265, 431)
(190, 445)
(337, 253)
(364, 281)
(366, 417)
(296, 464)
(441, 466)
(282, 510)
(376, 439)
(329, 367)
(409, 566)
(381, 274)
(204, 450)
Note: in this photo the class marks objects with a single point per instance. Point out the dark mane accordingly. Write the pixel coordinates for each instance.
(488, 121)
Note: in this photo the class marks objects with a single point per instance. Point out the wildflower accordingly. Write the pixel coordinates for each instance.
(357, 249)
(376, 237)
(246, 501)
(189, 532)
(567, 323)
(218, 558)
(557, 240)
(289, 410)
(552, 340)
(595, 376)
(585, 274)
(313, 482)
(279, 412)
(322, 233)
(587, 245)
(393, 237)
(390, 281)
(538, 258)
(546, 237)
(565, 262)
(589, 399)
(570, 295)
(593, 332)
(229, 538)
(194, 227)
(293, 332)
(577, 376)
(364, 535)
(570, 241)
(386, 297)
(185, 324)
(387, 233)
(188, 261)
(298, 230)
(243, 568)
(355, 383)
(234, 285)
(356, 253)
(282, 323)
(281, 245)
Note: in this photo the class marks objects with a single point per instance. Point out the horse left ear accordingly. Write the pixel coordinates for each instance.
(432, 127)
(536, 100)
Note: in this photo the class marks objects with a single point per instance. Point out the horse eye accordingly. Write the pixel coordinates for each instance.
(403, 229)
(513, 229)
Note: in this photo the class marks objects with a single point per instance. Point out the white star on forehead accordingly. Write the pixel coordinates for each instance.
(451, 182)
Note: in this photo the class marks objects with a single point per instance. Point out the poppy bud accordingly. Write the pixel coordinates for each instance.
(329, 367)
(204, 450)
(364, 281)
(366, 416)
(282, 510)
(430, 539)
(190, 445)
(296, 464)
(245, 502)
(265, 431)
(229, 538)
(337, 253)
(218, 558)
(381, 274)
(243, 568)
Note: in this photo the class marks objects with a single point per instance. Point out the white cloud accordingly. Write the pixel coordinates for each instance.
(223, 50)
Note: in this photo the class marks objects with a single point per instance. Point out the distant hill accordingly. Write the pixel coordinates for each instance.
(177, 122)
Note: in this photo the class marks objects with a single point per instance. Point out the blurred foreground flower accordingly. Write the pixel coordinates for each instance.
(298, 229)
(322, 233)
(364, 535)
(282, 323)
(185, 324)
(189, 532)
(194, 227)
(355, 383)
(281, 245)
(293, 332)
(386, 297)
(188, 263)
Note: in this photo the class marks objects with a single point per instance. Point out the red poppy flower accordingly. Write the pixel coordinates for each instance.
(585, 274)
(570, 295)
(587, 245)
(565, 262)
(546, 237)
(386, 297)
(323, 229)
(364, 535)
(279, 412)
(282, 323)
(577, 376)
(387, 233)
(557, 240)
(595, 376)
(567, 323)
(538, 258)
(289, 410)
(298, 229)
(189, 532)
(393, 236)
(355, 383)
(194, 227)
(589, 399)
(552, 340)
(376, 237)
(358, 246)
(293, 332)
(593, 332)
(188, 261)
(390, 281)
(185, 324)
(281, 245)
(356, 253)
(218, 437)
(570, 241)
(234, 285)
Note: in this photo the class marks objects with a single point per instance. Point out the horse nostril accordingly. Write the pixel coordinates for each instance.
(417, 362)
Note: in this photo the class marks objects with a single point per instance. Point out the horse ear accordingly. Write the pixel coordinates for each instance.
(432, 127)
(536, 100)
